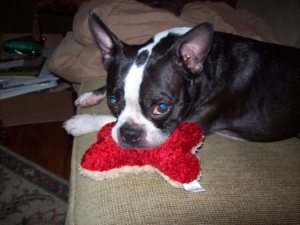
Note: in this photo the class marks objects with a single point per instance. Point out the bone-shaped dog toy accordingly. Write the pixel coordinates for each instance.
(175, 160)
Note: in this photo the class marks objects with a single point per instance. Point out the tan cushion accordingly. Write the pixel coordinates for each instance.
(245, 183)
(134, 23)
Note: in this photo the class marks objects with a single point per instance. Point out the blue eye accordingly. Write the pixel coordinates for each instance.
(111, 101)
(161, 109)
(163, 106)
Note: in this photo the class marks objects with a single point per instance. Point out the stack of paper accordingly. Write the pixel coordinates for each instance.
(35, 79)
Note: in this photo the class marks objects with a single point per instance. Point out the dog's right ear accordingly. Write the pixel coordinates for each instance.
(109, 44)
(193, 47)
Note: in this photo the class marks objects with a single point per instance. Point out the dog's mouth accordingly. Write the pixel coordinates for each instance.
(138, 138)
(127, 146)
(138, 143)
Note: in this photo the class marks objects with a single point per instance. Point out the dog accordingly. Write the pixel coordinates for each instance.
(228, 84)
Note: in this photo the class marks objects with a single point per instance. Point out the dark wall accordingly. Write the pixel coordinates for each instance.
(16, 16)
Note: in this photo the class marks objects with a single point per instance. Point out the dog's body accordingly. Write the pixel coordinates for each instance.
(233, 85)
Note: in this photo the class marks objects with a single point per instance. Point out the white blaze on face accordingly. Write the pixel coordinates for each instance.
(132, 82)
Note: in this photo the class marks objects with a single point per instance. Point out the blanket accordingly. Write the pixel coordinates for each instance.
(78, 58)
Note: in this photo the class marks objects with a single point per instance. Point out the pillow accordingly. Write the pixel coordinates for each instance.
(75, 62)
(131, 21)
(135, 23)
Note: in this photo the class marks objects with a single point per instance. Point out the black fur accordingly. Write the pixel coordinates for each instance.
(226, 83)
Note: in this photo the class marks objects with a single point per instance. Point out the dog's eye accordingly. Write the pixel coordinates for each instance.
(161, 109)
(112, 102)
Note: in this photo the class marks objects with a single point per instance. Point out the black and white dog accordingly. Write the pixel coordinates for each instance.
(232, 85)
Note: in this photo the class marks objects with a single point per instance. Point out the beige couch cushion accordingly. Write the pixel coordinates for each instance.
(135, 23)
(245, 183)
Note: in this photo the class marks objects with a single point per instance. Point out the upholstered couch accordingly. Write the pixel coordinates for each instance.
(245, 183)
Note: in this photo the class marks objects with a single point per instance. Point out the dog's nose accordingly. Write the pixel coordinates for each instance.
(131, 136)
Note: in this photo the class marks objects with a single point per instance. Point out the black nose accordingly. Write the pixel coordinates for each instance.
(131, 136)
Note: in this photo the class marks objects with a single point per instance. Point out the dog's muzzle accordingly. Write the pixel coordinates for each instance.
(131, 136)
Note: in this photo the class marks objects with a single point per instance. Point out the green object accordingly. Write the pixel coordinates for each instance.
(28, 48)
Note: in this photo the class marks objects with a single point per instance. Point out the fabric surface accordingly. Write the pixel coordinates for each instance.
(78, 58)
(245, 183)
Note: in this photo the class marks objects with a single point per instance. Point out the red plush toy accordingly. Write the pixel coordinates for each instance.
(175, 160)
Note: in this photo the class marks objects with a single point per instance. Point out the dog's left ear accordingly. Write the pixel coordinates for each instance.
(193, 47)
(109, 44)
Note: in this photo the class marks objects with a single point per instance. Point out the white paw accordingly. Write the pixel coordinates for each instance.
(86, 123)
(89, 99)
(79, 125)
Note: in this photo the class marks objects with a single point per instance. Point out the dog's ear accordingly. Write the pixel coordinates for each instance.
(193, 47)
(109, 44)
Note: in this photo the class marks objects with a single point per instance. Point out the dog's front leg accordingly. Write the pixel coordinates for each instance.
(91, 98)
(86, 123)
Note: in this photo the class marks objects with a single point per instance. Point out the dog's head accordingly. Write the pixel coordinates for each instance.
(150, 86)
